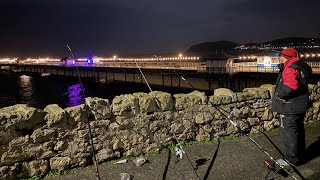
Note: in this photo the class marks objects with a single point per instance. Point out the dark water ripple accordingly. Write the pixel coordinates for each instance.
(38, 91)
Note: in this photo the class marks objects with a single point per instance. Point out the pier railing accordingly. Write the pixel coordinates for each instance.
(200, 67)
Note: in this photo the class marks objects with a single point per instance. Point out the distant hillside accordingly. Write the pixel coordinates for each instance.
(293, 40)
(216, 48)
(208, 48)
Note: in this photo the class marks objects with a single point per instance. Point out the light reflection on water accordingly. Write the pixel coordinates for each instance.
(38, 91)
(74, 95)
(26, 91)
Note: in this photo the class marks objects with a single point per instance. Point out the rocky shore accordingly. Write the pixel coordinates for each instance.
(36, 141)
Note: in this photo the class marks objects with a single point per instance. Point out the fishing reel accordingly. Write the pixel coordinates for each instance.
(179, 153)
(271, 165)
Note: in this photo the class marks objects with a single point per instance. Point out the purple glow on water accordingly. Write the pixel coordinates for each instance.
(75, 95)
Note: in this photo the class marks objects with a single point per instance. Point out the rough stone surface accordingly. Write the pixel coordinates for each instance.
(187, 101)
(99, 107)
(147, 103)
(125, 105)
(21, 116)
(55, 115)
(225, 92)
(59, 163)
(34, 140)
(35, 168)
(165, 100)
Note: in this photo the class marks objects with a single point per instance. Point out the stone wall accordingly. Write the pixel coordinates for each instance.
(35, 141)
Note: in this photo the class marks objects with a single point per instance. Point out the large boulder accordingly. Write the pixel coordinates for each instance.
(224, 92)
(100, 108)
(203, 118)
(258, 93)
(125, 105)
(147, 103)
(35, 168)
(187, 101)
(165, 100)
(60, 163)
(21, 116)
(23, 149)
(7, 134)
(41, 135)
(55, 115)
(269, 87)
(76, 113)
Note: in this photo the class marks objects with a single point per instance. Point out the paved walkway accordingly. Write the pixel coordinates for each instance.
(233, 159)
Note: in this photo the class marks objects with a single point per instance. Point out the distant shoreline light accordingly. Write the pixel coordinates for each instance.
(101, 59)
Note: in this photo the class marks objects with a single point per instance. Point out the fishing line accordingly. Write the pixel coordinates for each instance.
(233, 123)
(87, 117)
(174, 134)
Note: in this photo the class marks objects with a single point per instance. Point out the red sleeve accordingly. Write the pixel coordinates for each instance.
(290, 78)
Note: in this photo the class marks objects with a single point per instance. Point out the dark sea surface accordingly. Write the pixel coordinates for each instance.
(39, 91)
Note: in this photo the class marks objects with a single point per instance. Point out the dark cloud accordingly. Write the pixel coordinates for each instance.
(145, 27)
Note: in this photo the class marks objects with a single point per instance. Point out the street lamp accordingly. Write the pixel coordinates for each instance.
(114, 60)
(158, 58)
(180, 57)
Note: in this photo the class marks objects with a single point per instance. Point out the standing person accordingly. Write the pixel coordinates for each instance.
(291, 101)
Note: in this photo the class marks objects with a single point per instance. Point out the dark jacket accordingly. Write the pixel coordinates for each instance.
(291, 94)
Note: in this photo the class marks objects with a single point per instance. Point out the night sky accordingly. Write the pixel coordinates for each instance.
(147, 27)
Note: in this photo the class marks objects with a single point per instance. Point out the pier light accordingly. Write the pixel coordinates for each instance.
(301, 55)
(114, 57)
(240, 57)
(318, 55)
(90, 60)
(313, 55)
(180, 55)
(307, 55)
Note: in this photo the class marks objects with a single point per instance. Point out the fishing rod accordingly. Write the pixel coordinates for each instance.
(270, 163)
(273, 161)
(87, 118)
(179, 150)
